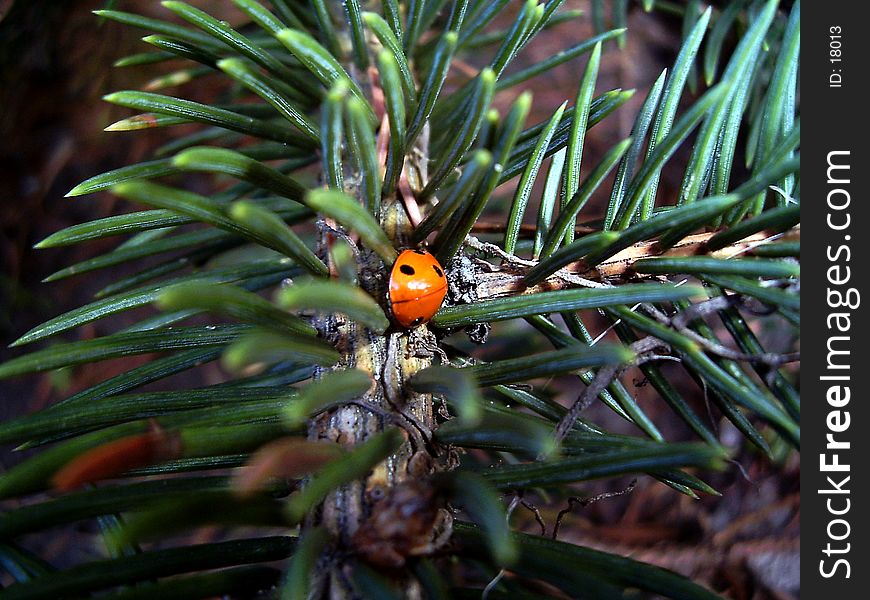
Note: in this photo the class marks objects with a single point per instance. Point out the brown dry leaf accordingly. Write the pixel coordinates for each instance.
(288, 458)
(116, 457)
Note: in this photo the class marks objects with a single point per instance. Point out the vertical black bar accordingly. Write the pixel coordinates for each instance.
(835, 180)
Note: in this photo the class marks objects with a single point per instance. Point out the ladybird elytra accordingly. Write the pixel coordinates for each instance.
(417, 287)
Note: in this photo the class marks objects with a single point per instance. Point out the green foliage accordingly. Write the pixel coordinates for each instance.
(267, 275)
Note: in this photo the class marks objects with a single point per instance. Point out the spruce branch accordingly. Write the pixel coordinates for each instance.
(508, 278)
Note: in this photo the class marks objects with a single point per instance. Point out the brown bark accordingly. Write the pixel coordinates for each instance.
(507, 280)
(391, 359)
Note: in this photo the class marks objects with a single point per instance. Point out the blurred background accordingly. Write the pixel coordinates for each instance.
(55, 64)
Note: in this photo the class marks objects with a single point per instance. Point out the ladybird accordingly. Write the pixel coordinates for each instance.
(417, 287)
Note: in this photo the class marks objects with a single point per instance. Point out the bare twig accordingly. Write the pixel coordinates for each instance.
(702, 309)
(422, 436)
(678, 324)
(515, 501)
(576, 500)
(508, 280)
(534, 509)
(513, 260)
(603, 378)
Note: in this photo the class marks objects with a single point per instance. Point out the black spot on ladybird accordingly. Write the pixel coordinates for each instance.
(407, 269)
(377, 493)
(438, 270)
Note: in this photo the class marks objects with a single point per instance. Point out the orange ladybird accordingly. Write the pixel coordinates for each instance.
(417, 287)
